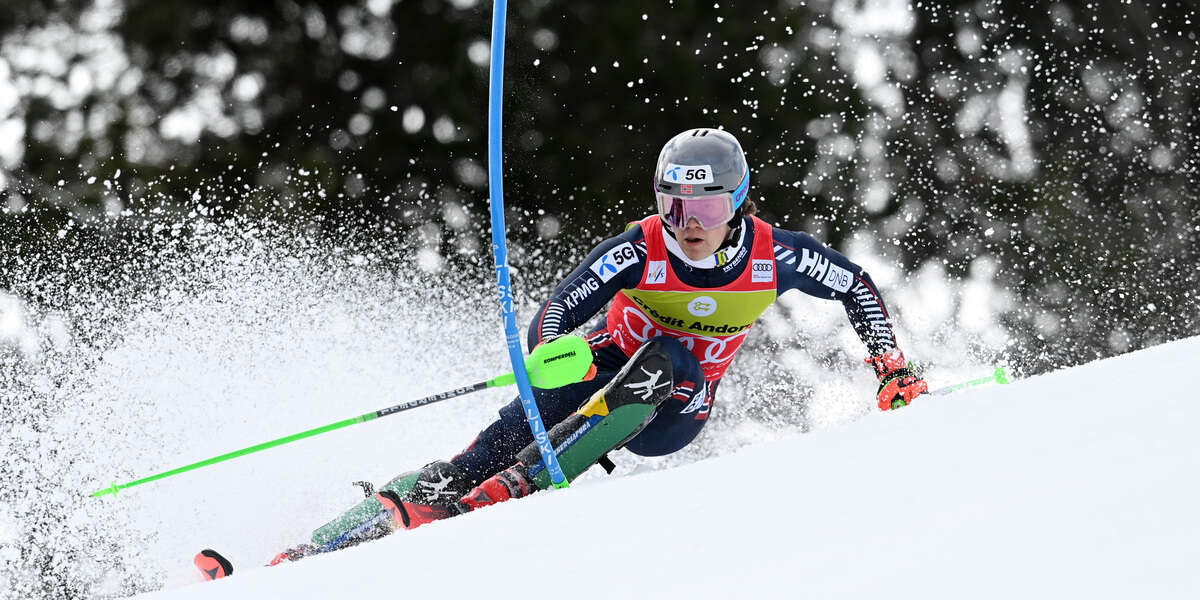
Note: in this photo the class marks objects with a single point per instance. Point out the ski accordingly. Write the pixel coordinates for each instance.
(214, 566)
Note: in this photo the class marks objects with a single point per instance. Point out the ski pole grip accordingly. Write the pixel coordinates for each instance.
(555, 363)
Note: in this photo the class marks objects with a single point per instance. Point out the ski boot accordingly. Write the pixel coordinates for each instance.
(508, 484)
(435, 495)
(611, 417)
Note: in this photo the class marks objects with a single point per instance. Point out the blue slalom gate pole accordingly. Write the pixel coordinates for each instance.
(500, 245)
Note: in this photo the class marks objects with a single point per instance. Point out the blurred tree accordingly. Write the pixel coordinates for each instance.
(1052, 143)
(389, 99)
(1058, 139)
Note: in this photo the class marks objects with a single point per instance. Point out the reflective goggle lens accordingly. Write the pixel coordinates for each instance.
(710, 211)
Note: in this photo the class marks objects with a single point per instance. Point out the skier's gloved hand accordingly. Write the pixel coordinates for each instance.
(899, 385)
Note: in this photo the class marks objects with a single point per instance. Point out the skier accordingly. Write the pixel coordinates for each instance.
(683, 288)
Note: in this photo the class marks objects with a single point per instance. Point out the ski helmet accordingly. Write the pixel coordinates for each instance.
(701, 174)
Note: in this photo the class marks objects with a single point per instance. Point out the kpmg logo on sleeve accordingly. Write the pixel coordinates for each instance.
(614, 261)
(580, 290)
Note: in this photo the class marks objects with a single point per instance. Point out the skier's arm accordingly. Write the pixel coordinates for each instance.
(616, 264)
(807, 265)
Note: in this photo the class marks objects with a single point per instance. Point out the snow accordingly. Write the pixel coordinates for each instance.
(1080, 483)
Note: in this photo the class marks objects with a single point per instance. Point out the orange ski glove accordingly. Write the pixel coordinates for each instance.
(899, 384)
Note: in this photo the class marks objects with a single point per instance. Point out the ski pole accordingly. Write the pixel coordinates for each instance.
(558, 362)
(999, 375)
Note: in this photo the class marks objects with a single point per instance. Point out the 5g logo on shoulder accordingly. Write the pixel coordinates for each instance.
(614, 261)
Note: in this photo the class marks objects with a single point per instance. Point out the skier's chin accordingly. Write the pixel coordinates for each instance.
(698, 244)
(697, 248)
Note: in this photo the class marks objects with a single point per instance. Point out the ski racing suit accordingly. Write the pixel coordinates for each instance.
(705, 308)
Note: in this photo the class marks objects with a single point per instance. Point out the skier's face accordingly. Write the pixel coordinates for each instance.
(697, 243)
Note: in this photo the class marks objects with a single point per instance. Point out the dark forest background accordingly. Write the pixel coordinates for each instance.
(1059, 138)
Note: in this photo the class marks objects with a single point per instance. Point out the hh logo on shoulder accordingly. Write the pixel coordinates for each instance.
(818, 267)
(614, 261)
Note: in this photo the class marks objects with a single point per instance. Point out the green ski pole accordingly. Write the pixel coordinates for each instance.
(556, 363)
(999, 375)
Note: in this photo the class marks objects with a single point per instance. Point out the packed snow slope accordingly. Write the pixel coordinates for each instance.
(1078, 484)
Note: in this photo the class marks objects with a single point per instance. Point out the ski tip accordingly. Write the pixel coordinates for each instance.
(212, 565)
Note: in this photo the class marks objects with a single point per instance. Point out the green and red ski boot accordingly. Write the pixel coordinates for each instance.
(435, 495)
(611, 417)
(509, 484)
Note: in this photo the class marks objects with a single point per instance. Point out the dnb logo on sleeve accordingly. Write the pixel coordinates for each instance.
(820, 268)
(614, 261)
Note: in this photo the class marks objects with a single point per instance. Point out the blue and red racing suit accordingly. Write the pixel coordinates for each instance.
(652, 289)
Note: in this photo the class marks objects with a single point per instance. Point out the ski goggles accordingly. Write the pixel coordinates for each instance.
(710, 211)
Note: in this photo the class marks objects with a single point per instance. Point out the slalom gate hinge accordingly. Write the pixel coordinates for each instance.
(606, 463)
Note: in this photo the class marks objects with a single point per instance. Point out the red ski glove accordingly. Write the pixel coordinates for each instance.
(899, 385)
